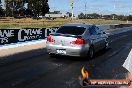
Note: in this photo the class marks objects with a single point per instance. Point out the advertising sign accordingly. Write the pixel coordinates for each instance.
(8, 36)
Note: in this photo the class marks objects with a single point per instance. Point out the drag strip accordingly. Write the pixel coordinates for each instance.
(62, 72)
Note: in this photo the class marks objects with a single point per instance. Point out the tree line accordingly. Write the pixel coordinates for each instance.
(17, 8)
(107, 17)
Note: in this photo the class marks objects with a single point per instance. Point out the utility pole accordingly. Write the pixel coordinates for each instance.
(85, 8)
(114, 9)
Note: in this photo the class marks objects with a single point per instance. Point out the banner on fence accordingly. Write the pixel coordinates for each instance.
(8, 36)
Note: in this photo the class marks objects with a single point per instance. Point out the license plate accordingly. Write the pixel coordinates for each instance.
(61, 51)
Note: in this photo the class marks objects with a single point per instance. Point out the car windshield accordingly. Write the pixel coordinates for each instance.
(74, 30)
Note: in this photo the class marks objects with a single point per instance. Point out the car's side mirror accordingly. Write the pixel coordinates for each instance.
(104, 32)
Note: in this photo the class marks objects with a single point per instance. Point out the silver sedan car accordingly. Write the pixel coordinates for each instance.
(77, 39)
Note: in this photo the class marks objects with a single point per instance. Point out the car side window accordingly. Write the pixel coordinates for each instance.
(98, 30)
(92, 31)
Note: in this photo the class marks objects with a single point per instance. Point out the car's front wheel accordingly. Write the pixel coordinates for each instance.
(91, 52)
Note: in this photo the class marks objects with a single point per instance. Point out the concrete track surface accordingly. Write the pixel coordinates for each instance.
(43, 71)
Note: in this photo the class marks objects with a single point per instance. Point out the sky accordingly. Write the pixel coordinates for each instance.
(120, 7)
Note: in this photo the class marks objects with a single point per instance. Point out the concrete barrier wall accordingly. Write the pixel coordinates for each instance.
(113, 26)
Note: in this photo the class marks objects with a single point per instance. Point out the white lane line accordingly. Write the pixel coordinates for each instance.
(115, 52)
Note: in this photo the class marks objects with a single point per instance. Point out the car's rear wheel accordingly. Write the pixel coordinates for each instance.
(51, 55)
(91, 52)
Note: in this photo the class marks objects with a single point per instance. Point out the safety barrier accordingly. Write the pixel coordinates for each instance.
(8, 36)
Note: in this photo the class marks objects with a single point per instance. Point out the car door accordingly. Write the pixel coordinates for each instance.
(94, 38)
(101, 38)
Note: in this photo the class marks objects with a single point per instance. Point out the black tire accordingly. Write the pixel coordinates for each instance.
(51, 55)
(91, 52)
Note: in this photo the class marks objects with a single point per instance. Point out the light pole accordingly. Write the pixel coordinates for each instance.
(72, 13)
(114, 9)
(127, 16)
(85, 8)
(72, 6)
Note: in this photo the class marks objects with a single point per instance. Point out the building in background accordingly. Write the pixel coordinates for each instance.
(54, 15)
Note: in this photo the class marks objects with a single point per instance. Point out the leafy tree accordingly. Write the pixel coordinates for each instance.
(89, 16)
(1, 9)
(120, 17)
(35, 7)
(129, 17)
(45, 7)
(81, 16)
(39, 7)
(95, 15)
(8, 9)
